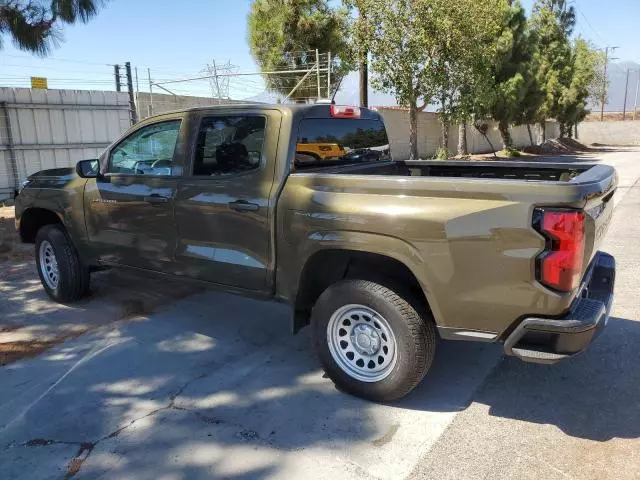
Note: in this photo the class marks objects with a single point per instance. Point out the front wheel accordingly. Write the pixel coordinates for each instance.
(60, 268)
(371, 341)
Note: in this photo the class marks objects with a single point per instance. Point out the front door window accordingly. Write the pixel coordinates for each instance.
(149, 151)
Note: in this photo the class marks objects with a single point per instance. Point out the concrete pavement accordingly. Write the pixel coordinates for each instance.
(214, 386)
(232, 394)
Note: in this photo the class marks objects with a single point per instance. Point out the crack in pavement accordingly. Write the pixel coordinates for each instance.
(85, 448)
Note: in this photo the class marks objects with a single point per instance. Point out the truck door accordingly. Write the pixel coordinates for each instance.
(225, 203)
(129, 211)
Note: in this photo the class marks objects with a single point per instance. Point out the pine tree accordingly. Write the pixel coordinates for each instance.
(34, 26)
(283, 32)
(516, 88)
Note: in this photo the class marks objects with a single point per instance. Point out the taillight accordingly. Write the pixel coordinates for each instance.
(560, 265)
(343, 111)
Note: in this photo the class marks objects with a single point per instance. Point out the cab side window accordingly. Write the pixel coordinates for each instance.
(228, 145)
(149, 151)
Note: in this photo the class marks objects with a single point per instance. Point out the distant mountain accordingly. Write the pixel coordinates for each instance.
(617, 74)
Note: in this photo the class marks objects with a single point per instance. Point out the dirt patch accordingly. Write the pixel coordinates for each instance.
(11, 248)
(10, 328)
(610, 116)
(558, 146)
(75, 464)
(14, 351)
(499, 156)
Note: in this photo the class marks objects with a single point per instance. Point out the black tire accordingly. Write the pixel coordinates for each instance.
(73, 281)
(414, 332)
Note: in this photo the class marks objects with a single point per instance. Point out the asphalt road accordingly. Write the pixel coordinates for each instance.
(213, 385)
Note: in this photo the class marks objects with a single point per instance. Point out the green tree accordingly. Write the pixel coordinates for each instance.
(515, 83)
(553, 22)
(564, 13)
(530, 106)
(462, 64)
(585, 63)
(429, 50)
(283, 32)
(34, 26)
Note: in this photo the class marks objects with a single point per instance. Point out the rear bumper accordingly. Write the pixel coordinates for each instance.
(546, 340)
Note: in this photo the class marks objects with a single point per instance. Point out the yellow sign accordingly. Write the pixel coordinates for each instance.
(39, 82)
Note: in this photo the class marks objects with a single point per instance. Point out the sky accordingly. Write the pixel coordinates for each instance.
(176, 40)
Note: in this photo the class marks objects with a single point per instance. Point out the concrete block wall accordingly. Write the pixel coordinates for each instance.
(397, 124)
(610, 133)
(42, 129)
(429, 131)
(163, 103)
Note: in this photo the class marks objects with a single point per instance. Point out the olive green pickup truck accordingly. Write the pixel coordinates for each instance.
(381, 258)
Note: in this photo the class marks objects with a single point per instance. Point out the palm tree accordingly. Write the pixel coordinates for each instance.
(34, 26)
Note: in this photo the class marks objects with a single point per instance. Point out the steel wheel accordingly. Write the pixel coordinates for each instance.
(49, 265)
(362, 343)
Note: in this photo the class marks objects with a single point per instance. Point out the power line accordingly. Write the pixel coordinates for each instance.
(590, 26)
(24, 57)
(43, 67)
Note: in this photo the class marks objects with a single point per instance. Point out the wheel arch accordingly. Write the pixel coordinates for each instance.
(33, 219)
(330, 265)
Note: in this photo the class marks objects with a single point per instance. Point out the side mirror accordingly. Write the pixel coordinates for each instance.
(88, 168)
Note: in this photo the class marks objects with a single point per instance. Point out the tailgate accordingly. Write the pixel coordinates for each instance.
(599, 184)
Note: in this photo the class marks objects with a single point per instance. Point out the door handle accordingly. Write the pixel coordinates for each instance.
(244, 206)
(155, 198)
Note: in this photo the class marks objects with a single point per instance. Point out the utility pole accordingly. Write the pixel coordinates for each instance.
(132, 101)
(626, 90)
(116, 73)
(635, 103)
(603, 94)
(150, 92)
(318, 73)
(328, 74)
(137, 89)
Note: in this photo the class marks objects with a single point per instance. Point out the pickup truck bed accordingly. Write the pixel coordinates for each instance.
(509, 170)
(303, 205)
(455, 230)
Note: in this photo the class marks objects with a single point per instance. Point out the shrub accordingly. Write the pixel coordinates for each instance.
(442, 153)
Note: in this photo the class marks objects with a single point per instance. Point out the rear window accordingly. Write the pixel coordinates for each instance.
(335, 141)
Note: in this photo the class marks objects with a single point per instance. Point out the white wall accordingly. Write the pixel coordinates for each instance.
(610, 133)
(429, 132)
(55, 128)
(163, 103)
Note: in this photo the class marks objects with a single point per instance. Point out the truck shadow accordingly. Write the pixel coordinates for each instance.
(593, 396)
(201, 382)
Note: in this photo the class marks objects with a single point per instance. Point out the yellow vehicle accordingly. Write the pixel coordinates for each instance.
(321, 151)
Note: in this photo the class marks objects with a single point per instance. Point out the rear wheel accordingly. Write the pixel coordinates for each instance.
(371, 341)
(60, 268)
